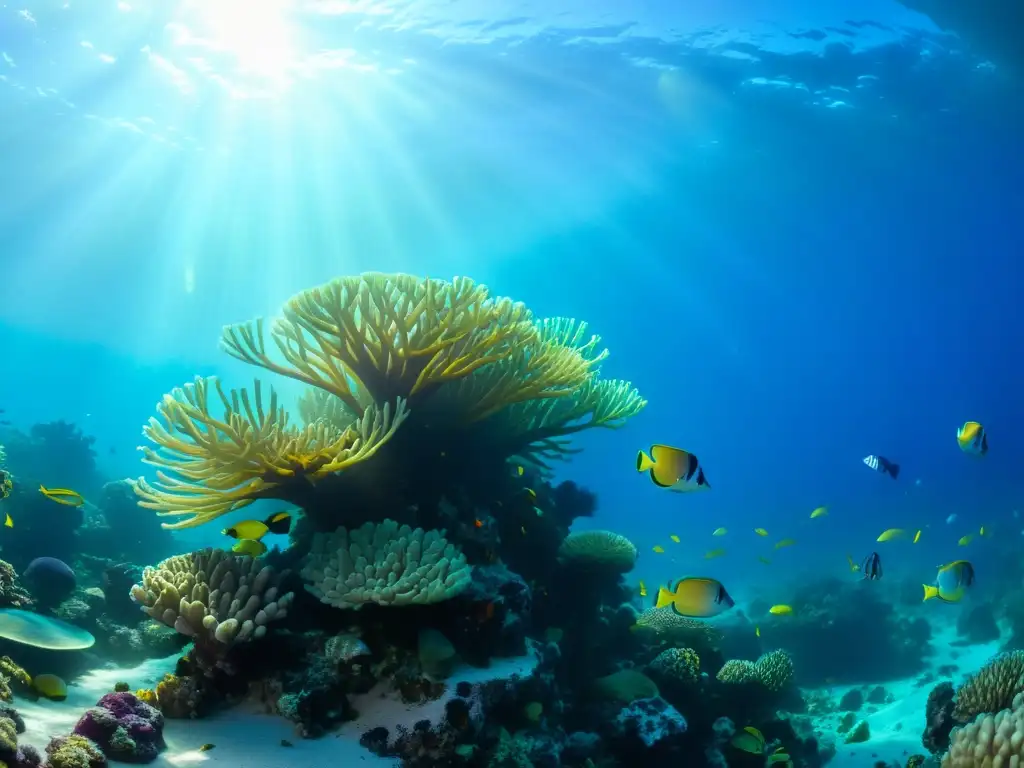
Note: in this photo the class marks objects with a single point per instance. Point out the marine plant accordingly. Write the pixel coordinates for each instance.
(438, 376)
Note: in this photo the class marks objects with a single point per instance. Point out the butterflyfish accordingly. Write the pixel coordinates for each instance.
(64, 496)
(643, 589)
(672, 468)
(674, 538)
(781, 610)
(853, 566)
(785, 543)
(890, 534)
(917, 536)
(254, 530)
(695, 597)
(760, 531)
(719, 532)
(658, 549)
(819, 512)
(250, 547)
(972, 439)
(872, 567)
(882, 465)
(50, 687)
(965, 540)
(713, 554)
(951, 582)
(279, 522)
(749, 740)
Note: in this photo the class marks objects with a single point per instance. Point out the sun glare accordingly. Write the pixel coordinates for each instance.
(258, 34)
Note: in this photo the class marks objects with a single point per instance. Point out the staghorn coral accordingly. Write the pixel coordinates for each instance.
(213, 596)
(992, 689)
(209, 466)
(599, 549)
(384, 564)
(679, 664)
(990, 740)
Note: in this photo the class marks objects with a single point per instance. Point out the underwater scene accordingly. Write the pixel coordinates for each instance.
(511, 384)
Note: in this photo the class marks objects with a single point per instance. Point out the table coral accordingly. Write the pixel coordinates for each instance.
(125, 728)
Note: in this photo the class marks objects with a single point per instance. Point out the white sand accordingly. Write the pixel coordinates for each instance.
(896, 728)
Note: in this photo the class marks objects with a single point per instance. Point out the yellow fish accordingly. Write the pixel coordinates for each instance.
(658, 549)
(965, 540)
(749, 740)
(757, 631)
(981, 531)
(249, 547)
(674, 538)
(695, 597)
(917, 537)
(719, 532)
(764, 559)
(672, 468)
(785, 543)
(713, 554)
(760, 531)
(643, 589)
(63, 496)
(853, 566)
(50, 687)
(819, 512)
(207, 747)
(781, 610)
(254, 530)
(8, 521)
(890, 534)
(531, 493)
(951, 582)
(972, 439)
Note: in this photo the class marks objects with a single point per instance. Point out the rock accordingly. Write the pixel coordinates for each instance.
(852, 700)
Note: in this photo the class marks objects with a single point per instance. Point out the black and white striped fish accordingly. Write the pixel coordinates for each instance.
(883, 465)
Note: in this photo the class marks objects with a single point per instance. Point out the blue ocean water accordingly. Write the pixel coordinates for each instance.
(795, 226)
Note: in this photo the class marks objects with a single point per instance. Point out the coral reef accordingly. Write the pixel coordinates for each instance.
(74, 751)
(939, 719)
(598, 549)
(124, 728)
(992, 689)
(990, 740)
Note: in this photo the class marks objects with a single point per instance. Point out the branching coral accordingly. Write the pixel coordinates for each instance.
(213, 596)
(992, 689)
(384, 564)
(209, 466)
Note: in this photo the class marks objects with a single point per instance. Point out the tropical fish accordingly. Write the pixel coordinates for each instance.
(207, 747)
(50, 687)
(819, 512)
(250, 547)
(917, 536)
(853, 566)
(643, 589)
(279, 522)
(658, 549)
(64, 496)
(951, 519)
(872, 567)
(781, 610)
(965, 540)
(890, 534)
(760, 531)
(981, 531)
(674, 538)
(8, 521)
(757, 631)
(719, 532)
(883, 465)
(696, 597)
(972, 438)
(785, 543)
(713, 554)
(749, 740)
(672, 468)
(951, 582)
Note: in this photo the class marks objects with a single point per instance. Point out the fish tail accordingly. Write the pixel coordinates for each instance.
(930, 591)
(894, 470)
(643, 462)
(664, 598)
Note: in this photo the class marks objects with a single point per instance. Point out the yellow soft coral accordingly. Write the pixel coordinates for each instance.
(208, 466)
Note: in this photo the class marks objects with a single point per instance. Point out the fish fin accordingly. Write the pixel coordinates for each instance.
(894, 470)
(930, 591)
(664, 598)
(643, 462)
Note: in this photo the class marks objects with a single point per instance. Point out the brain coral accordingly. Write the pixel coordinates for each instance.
(992, 689)
(992, 740)
(384, 564)
(598, 549)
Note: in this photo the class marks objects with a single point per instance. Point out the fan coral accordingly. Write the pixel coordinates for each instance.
(680, 664)
(212, 596)
(737, 672)
(599, 549)
(992, 689)
(384, 564)
(992, 739)
(209, 466)
(125, 728)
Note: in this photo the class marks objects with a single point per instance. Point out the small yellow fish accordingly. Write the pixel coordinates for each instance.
(719, 532)
(249, 547)
(890, 534)
(749, 740)
(981, 531)
(207, 747)
(8, 521)
(519, 470)
(713, 554)
(279, 522)
(63, 496)
(658, 549)
(917, 537)
(539, 511)
(50, 686)
(696, 597)
(674, 538)
(781, 610)
(531, 493)
(853, 566)
(819, 512)
(760, 531)
(764, 559)
(785, 543)
(972, 439)
(757, 631)
(643, 589)
(965, 540)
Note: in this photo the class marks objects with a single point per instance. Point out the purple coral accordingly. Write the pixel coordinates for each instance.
(125, 728)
